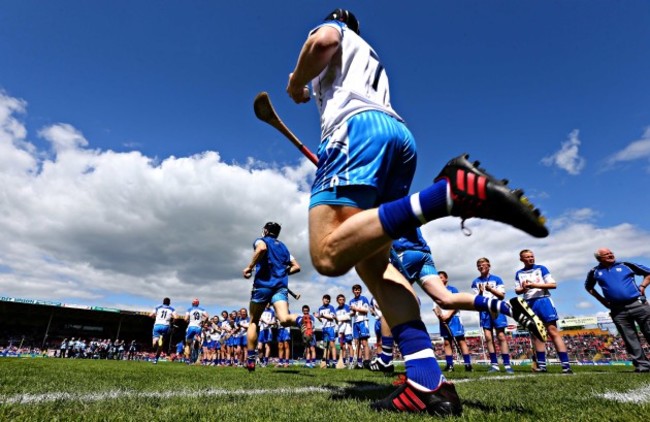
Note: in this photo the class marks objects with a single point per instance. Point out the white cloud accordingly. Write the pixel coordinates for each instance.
(637, 150)
(124, 230)
(567, 157)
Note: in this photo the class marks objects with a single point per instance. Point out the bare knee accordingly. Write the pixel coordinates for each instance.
(328, 263)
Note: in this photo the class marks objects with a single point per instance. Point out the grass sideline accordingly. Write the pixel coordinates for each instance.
(93, 390)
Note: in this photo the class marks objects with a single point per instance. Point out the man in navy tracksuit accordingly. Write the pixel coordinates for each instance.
(625, 299)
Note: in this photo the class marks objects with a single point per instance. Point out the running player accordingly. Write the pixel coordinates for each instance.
(273, 264)
(194, 316)
(164, 315)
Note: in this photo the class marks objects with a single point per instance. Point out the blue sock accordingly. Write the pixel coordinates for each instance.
(564, 359)
(493, 359)
(506, 359)
(541, 359)
(467, 359)
(408, 213)
(482, 303)
(251, 355)
(449, 360)
(386, 355)
(421, 365)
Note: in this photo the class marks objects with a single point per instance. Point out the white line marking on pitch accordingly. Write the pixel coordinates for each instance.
(638, 395)
(642, 394)
(117, 394)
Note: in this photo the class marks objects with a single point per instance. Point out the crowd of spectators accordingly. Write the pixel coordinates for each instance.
(589, 347)
(582, 347)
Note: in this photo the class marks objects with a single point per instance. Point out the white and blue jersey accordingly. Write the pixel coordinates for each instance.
(329, 326)
(164, 315)
(195, 316)
(539, 300)
(495, 283)
(353, 83)
(534, 274)
(364, 142)
(374, 306)
(360, 329)
(243, 331)
(344, 326)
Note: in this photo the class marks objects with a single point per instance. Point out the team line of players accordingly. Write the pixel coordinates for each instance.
(223, 340)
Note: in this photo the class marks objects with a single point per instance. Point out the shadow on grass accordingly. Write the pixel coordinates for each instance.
(475, 404)
(371, 391)
(360, 390)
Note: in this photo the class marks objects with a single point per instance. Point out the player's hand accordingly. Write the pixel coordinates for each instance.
(248, 272)
(298, 93)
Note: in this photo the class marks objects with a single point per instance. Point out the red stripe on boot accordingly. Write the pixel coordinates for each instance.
(460, 180)
(482, 182)
(471, 180)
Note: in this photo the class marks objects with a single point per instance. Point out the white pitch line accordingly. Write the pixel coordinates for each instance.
(118, 394)
(638, 395)
(642, 394)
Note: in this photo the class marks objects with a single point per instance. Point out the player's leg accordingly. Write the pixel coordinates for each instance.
(400, 307)
(449, 353)
(545, 309)
(505, 349)
(384, 360)
(560, 347)
(280, 303)
(486, 323)
(467, 359)
(255, 310)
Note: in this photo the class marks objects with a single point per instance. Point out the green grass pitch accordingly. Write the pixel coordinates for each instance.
(88, 390)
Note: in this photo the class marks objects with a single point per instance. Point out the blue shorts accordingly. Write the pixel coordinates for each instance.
(243, 341)
(417, 265)
(497, 323)
(345, 339)
(284, 334)
(544, 309)
(329, 334)
(378, 328)
(360, 330)
(160, 330)
(266, 336)
(192, 332)
(209, 345)
(456, 327)
(383, 159)
(265, 295)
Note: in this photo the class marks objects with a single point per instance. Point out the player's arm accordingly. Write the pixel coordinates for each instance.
(498, 291)
(316, 54)
(294, 267)
(644, 284)
(590, 284)
(260, 250)
(519, 287)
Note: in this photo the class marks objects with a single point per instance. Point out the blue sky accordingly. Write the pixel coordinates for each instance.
(132, 165)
